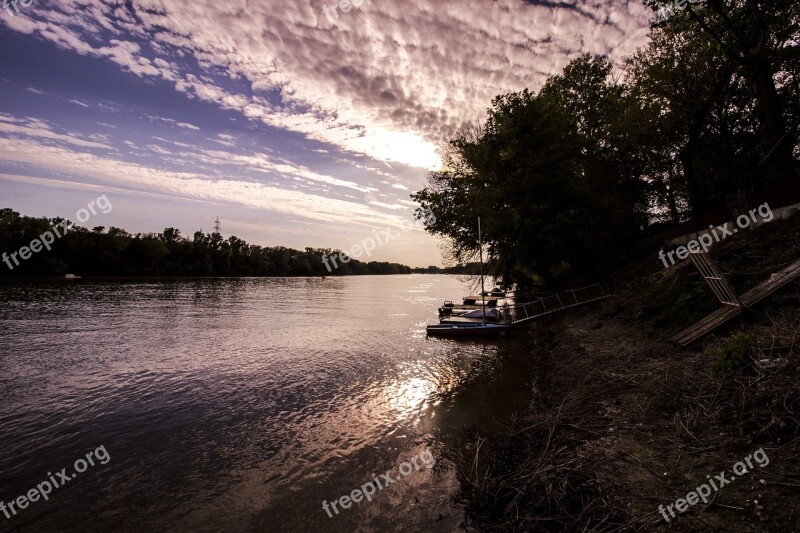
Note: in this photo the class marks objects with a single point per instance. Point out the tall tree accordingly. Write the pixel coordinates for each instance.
(556, 184)
(760, 41)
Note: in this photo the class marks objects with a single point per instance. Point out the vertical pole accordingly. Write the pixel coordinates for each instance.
(480, 254)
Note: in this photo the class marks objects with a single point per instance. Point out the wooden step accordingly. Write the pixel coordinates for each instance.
(748, 299)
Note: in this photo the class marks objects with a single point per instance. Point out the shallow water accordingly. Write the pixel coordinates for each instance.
(241, 404)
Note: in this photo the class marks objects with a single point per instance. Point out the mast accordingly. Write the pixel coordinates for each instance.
(480, 254)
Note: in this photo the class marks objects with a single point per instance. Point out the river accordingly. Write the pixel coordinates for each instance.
(242, 404)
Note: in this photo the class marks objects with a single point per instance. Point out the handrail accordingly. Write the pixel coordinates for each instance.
(556, 303)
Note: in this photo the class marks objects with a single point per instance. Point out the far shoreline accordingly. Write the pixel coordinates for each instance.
(177, 278)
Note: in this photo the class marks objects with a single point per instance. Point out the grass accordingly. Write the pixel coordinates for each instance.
(620, 421)
(733, 356)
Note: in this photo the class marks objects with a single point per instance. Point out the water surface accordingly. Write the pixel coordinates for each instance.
(241, 404)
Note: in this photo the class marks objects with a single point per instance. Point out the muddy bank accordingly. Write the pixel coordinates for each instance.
(622, 422)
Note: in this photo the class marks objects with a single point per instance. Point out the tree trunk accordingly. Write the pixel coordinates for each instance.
(777, 143)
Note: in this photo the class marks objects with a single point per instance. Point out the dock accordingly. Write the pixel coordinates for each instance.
(542, 307)
(522, 313)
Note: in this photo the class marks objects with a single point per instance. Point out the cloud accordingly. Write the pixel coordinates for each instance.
(193, 185)
(185, 125)
(157, 149)
(36, 128)
(391, 80)
(389, 206)
(74, 185)
(225, 140)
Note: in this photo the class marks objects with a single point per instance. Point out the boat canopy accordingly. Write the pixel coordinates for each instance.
(478, 313)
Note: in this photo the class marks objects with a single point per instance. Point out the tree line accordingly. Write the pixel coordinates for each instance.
(571, 179)
(115, 252)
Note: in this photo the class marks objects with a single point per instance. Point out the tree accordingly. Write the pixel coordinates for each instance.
(759, 41)
(552, 175)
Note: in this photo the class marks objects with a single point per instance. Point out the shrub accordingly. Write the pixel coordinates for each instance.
(733, 355)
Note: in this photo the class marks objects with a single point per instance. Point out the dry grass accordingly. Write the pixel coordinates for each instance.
(620, 423)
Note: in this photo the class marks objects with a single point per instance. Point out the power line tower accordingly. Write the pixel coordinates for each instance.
(217, 228)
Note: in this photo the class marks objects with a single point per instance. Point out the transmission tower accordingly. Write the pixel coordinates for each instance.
(217, 228)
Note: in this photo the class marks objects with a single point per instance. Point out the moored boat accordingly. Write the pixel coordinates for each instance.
(492, 316)
(473, 323)
(467, 329)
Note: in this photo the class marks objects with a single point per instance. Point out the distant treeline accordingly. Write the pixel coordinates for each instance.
(472, 269)
(115, 252)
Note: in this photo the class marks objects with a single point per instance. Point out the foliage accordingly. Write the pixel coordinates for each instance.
(672, 300)
(115, 252)
(545, 175)
(567, 180)
(733, 355)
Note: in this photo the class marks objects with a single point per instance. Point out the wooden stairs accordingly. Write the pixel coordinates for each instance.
(748, 299)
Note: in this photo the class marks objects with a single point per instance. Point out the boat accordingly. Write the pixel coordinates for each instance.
(493, 316)
(467, 327)
(470, 304)
(473, 301)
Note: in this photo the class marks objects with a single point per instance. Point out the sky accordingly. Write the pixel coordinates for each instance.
(296, 123)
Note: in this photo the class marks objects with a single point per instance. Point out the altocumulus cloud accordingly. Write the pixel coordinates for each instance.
(387, 83)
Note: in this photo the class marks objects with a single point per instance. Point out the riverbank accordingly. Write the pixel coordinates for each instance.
(621, 422)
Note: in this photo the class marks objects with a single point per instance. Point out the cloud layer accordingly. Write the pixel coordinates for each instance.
(358, 99)
(388, 79)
